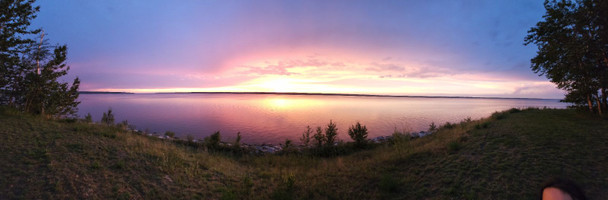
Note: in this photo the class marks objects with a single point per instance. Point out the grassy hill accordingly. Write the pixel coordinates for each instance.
(505, 156)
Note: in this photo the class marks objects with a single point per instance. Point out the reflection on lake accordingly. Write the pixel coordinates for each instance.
(269, 118)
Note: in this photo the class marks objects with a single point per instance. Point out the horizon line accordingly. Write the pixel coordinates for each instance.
(321, 94)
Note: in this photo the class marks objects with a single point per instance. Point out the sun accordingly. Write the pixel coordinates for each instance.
(277, 85)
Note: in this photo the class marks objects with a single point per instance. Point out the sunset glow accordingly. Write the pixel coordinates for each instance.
(439, 48)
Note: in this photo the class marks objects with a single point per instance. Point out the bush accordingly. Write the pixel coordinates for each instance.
(213, 141)
(124, 124)
(319, 137)
(305, 139)
(108, 118)
(170, 134)
(432, 127)
(499, 115)
(237, 142)
(189, 138)
(359, 134)
(331, 132)
(88, 118)
(448, 125)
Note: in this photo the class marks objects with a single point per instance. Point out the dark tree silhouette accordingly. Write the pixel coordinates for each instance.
(573, 50)
(31, 68)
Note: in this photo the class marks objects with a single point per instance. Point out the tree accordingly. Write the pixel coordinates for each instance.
(319, 137)
(42, 93)
(358, 133)
(88, 118)
(331, 132)
(305, 139)
(572, 51)
(15, 17)
(30, 69)
(213, 141)
(108, 118)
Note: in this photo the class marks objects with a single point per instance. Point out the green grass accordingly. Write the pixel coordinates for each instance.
(505, 156)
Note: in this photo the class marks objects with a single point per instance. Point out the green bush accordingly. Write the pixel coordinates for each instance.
(88, 118)
(305, 139)
(331, 132)
(432, 127)
(448, 125)
(359, 134)
(170, 134)
(108, 118)
(319, 137)
(213, 141)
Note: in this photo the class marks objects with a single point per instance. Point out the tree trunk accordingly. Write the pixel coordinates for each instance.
(604, 100)
(599, 105)
(589, 103)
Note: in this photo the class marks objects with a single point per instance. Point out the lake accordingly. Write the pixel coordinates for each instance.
(272, 118)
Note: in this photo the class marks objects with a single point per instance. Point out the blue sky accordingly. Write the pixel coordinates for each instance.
(463, 48)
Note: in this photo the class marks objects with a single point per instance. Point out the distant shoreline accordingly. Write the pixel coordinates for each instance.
(320, 94)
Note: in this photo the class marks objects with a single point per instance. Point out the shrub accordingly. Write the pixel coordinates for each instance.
(359, 134)
(331, 132)
(515, 110)
(237, 142)
(213, 141)
(499, 115)
(170, 134)
(108, 118)
(88, 118)
(124, 124)
(432, 127)
(189, 138)
(288, 147)
(319, 137)
(305, 139)
(448, 125)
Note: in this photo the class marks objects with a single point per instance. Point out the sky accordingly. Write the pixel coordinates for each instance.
(417, 47)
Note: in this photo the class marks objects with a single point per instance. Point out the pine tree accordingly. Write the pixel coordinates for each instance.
(15, 17)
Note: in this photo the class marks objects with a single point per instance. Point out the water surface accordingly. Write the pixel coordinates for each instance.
(272, 118)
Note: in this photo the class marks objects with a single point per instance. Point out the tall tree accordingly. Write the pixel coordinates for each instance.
(31, 68)
(15, 17)
(572, 50)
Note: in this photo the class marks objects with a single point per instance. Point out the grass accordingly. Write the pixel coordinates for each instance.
(505, 156)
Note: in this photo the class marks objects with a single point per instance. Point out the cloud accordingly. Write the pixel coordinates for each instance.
(385, 67)
(270, 70)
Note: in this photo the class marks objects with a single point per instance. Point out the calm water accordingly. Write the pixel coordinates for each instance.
(267, 118)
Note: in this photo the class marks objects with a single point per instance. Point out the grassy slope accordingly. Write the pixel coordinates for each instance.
(506, 156)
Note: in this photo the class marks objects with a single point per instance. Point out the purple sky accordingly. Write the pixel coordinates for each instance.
(465, 48)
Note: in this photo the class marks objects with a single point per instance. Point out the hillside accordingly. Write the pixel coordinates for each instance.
(505, 156)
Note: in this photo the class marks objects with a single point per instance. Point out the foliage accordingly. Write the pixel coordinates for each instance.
(170, 134)
(319, 137)
(108, 118)
(359, 134)
(31, 69)
(88, 118)
(305, 139)
(237, 142)
(432, 127)
(213, 141)
(572, 43)
(14, 21)
(331, 132)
